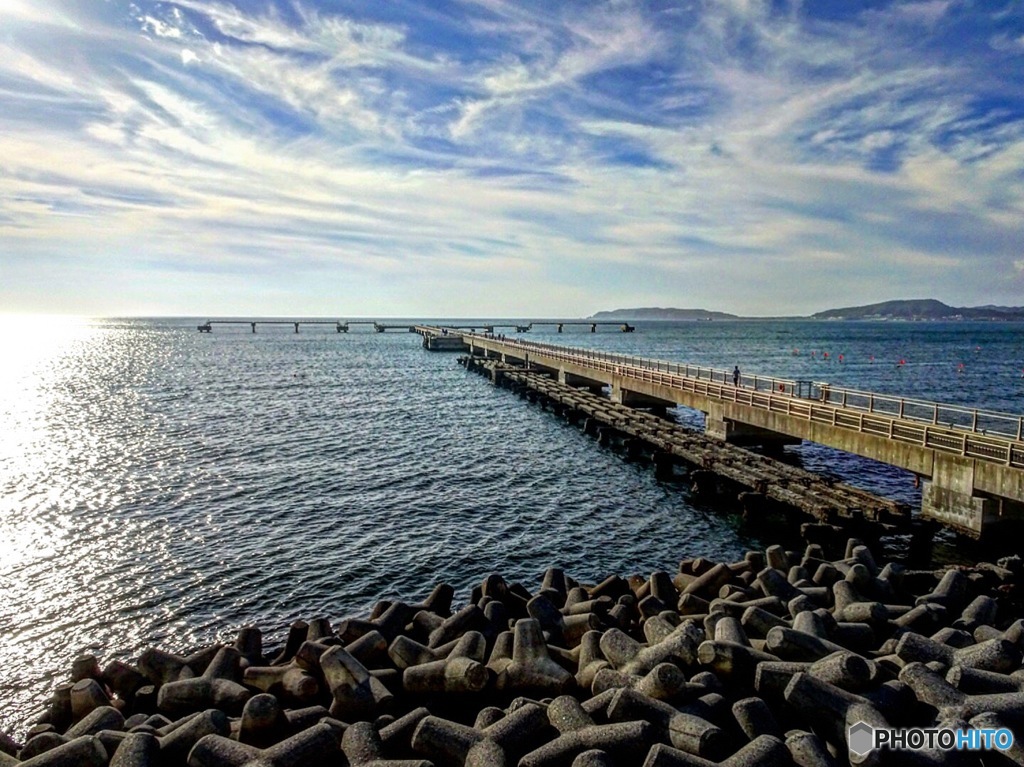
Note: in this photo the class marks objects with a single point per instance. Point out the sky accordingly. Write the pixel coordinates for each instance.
(520, 158)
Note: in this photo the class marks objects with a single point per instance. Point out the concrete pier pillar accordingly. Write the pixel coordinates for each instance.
(663, 465)
(966, 512)
(704, 482)
(950, 497)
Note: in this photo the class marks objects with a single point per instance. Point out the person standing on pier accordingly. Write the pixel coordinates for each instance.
(736, 376)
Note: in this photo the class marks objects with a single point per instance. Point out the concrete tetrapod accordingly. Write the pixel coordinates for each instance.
(215, 688)
(315, 745)
(824, 642)
(530, 669)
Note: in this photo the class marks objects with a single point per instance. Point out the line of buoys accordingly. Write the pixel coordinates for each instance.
(841, 358)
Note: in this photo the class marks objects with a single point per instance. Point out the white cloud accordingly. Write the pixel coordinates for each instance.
(322, 142)
(159, 28)
(927, 12)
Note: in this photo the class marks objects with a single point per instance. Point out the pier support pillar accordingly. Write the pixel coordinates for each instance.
(704, 482)
(950, 498)
(968, 514)
(663, 465)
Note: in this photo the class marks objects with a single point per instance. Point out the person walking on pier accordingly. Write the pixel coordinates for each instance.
(736, 376)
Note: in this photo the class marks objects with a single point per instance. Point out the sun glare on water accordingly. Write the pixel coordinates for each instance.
(33, 358)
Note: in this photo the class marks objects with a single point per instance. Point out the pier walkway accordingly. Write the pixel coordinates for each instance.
(971, 460)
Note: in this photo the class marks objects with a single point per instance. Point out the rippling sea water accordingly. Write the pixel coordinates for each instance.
(161, 486)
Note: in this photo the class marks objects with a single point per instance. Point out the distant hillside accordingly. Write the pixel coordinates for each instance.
(921, 309)
(915, 309)
(652, 313)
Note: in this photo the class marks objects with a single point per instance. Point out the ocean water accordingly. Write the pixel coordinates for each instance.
(159, 486)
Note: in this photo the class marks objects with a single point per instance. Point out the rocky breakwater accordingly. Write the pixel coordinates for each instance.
(769, 660)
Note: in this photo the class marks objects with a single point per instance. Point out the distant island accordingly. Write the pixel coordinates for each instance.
(924, 309)
(921, 309)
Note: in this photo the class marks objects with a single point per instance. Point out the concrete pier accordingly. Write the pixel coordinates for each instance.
(971, 460)
(340, 326)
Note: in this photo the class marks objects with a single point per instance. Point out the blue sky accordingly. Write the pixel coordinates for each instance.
(526, 158)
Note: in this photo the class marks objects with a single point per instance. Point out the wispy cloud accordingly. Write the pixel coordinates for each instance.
(548, 154)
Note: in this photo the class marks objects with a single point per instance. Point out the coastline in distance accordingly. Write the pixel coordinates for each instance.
(914, 309)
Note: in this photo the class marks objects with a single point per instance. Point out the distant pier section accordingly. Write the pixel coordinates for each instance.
(341, 326)
(971, 461)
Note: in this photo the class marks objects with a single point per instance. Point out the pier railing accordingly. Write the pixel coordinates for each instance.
(968, 432)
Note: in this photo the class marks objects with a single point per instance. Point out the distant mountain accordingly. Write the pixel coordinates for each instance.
(915, 309)
(652, 313)
(921, 309)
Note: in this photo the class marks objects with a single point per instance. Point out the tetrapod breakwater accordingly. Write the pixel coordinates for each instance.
(779, 658)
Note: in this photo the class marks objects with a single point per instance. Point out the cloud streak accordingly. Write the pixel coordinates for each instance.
(534, 159)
